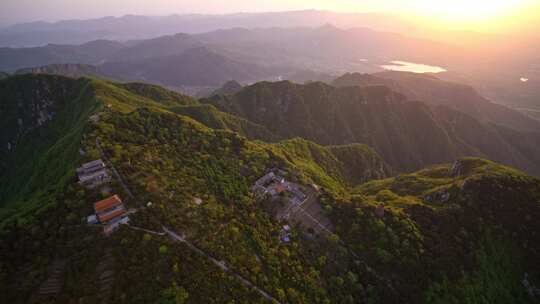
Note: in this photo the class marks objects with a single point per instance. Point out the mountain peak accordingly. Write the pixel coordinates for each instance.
(328, 27)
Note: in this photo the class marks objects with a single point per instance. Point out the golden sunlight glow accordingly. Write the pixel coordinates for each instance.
(485, 15)
(467, 10)
(471, 13)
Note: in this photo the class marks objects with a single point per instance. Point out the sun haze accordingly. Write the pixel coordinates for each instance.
(485, 15)
(489, 15)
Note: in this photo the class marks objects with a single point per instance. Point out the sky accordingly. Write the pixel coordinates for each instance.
(452, 13)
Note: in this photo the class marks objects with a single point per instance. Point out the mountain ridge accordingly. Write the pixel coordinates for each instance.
(432, 90)
(402, 131)
(48, 115)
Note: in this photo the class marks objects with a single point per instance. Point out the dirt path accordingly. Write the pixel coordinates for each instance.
(304, 212)
(55, 281)
(106, 276)
(115, 172)
(220, 264)
(145, 230)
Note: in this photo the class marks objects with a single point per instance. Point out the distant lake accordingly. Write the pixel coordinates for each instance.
(405, 66)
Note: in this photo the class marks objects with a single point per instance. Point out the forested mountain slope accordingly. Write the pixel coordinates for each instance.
(44, 116)
(470, 233)
(408, 134)
(432, 90)
(42, 119)
(159, 153)
(449, 232)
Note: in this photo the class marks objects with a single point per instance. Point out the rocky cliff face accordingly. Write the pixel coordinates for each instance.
(24, 110)
(42, 118)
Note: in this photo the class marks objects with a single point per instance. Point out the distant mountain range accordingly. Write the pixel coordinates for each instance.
(494, 66)
(88, 53)
(326, 48)
(132, 27)
(194, 67)
(335, 44)
(198, 68)
(210, 59)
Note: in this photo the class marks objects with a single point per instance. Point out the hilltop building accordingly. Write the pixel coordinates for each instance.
(269, 184)
(273, 185)
(276, 189)
(111, 213)
(93, 174)
(269, 177)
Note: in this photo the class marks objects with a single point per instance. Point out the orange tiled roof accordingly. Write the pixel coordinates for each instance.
(107, 203)
(103, 218)
(280, 188)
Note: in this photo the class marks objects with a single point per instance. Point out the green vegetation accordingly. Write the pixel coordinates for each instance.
(157, 94)
(432, 242)
(213, 118)
(498, 279)
(71, 103)
(434, 91)
(228, 88)
(44, 159)
(435, 218)
(435, 186)
(409, 135)
(334, 167)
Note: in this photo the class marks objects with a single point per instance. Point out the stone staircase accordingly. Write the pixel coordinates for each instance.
(55, 281)
(105, 271)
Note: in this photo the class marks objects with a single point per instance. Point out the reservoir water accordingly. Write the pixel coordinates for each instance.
(405, 66)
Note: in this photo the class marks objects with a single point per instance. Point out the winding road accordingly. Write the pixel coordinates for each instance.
(220, 264)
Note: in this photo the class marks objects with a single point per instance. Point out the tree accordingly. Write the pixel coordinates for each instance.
(174, 295)
(294, 296)
(163, 249)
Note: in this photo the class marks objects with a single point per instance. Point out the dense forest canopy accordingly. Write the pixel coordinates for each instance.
(464, 231)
